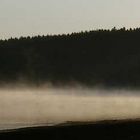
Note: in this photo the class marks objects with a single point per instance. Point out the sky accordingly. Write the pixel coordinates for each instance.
(42, 17)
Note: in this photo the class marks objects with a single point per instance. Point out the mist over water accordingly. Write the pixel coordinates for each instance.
(48, 106)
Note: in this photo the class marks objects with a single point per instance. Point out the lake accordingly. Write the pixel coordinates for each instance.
(25, 107)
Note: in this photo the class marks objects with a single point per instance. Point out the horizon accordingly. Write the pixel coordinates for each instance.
(49, 17)
(71, 33)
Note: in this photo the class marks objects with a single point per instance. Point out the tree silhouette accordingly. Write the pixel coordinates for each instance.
(99, 57)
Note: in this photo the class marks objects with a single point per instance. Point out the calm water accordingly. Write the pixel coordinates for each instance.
(27, 107)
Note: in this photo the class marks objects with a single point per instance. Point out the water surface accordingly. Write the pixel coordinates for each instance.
(49, 106)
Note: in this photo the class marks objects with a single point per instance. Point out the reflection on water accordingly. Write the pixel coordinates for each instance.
(27, 107)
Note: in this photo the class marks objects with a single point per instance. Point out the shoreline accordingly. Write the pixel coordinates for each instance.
(103, 130)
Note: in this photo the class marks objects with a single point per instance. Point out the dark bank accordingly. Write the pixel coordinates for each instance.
(106, 130)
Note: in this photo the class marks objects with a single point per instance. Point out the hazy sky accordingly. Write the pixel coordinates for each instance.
(33, 17)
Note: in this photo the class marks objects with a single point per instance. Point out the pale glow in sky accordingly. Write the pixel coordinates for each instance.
(33, 17)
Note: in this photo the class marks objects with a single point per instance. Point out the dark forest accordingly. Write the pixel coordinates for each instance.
(100, 57)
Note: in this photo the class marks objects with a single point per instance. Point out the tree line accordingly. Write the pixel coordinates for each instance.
(98, 57)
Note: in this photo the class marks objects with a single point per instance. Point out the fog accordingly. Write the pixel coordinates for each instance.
(49, 106)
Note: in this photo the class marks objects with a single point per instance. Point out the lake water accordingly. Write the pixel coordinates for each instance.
(49, 106)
